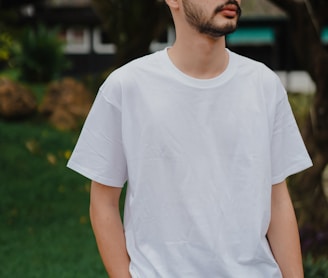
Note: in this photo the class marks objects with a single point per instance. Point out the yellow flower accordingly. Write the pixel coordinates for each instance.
(83, 220)
(61, 189)
(67, 154)
(51, 158)
(32, 146)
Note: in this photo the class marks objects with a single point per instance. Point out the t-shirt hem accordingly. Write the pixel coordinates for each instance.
(94, 177)
(294, 169)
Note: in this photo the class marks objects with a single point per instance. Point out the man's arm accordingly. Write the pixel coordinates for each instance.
(108, 229)
(283, 233)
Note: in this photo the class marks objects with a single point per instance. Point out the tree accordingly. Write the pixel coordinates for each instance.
(132, 25)
(10, 26)
(307, 19)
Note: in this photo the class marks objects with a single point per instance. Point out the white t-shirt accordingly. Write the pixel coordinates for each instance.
(200, 157)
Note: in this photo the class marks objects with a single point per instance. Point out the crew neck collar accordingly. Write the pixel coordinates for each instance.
(197, 82)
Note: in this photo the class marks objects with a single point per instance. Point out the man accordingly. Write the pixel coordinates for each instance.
(205, 139)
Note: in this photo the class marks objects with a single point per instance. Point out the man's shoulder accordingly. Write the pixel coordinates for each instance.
(149, 60)
(147, 64)
(135, 71)
(246, 61)
(246, 64)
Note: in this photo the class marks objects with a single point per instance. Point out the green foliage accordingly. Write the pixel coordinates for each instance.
(5, 42)
(6, 46)
(44, 223)
(301, 105)
(10, 73)
(315, 268)
(40, 57)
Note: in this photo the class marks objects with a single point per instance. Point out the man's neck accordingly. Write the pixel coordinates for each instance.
(200, 57)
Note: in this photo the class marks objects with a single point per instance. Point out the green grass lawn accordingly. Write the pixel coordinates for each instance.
(44, 224)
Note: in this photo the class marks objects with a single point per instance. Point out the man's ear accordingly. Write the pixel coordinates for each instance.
(173, 4)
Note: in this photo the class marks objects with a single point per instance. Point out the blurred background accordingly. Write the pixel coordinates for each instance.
(55, 54)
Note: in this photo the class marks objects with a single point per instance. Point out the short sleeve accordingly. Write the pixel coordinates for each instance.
(288, 152)
(99, 153)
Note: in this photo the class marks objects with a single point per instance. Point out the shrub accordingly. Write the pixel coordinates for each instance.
(315, 268)
(40, 57)
(6, 47)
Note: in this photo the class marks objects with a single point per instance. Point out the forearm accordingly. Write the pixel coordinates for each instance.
(110, 239)
(283, 235)
(108, 229)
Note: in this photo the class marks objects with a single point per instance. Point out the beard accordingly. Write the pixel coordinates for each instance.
(196, 18)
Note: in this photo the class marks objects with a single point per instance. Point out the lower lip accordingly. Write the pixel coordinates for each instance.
(229, 13)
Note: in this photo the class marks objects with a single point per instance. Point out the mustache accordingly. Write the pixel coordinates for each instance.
(229, 2)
